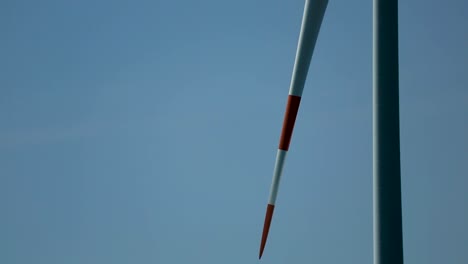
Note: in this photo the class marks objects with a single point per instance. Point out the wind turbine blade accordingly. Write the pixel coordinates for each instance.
(314, 11)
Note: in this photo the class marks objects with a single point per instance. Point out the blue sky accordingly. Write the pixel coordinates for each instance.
(146, 132)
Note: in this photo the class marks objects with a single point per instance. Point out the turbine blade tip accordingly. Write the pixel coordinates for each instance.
(266, 228)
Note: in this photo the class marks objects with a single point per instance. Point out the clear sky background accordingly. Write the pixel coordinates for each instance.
(146, 132)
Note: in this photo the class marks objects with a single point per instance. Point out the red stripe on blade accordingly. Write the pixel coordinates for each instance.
(266, 227)
(289, 119)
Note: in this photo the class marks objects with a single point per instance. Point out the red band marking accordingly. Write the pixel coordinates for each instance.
(266, 227)
(289, 119)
